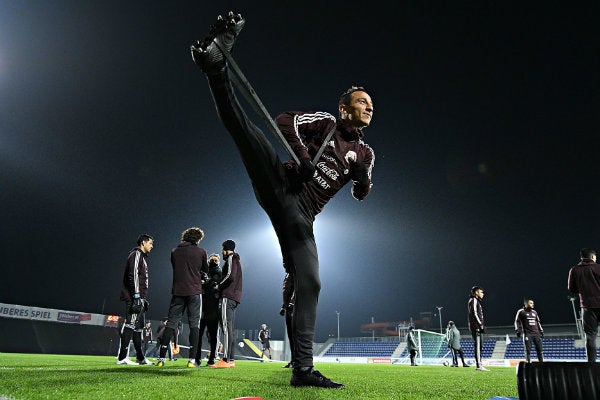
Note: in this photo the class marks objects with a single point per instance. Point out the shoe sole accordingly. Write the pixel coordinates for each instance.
(222, 34)
(226, 30)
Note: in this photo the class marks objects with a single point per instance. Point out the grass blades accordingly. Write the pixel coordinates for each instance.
(47, 376)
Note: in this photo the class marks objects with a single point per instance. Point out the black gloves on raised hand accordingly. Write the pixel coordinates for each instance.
(358, 172)
(307, 169)
(282, 311)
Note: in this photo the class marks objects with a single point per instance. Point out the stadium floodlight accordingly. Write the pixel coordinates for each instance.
(440, 314)
(338, 324)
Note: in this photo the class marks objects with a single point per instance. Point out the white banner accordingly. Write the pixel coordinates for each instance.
(50, 315)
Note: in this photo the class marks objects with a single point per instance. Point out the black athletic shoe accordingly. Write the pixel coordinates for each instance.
(206, 53)
(225, 30)
(312, 377)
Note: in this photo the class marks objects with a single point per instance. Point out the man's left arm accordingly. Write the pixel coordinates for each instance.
(360, 173)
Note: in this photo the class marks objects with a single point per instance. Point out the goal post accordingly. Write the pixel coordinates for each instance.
(432, 349)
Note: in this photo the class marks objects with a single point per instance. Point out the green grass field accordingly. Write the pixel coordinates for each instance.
(44, 376)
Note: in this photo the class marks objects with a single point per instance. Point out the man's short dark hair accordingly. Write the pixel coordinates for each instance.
(192, 235)
(229, 245)
(587, 253)
(347, 95)
(475, 288)
(144, 237)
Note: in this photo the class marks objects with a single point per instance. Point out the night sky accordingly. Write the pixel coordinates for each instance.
(484, 131)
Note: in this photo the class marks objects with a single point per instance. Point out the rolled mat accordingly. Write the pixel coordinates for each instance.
(558, 380)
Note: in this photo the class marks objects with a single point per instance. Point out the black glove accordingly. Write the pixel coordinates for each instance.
(136, 304)
(307, 169)
(358, 172)
(204, 277)
(481, 330)
(282, 311)
(542, 334)
(519, 333)
(146, 305)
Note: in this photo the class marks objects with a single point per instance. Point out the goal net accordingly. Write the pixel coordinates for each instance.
(432, 349)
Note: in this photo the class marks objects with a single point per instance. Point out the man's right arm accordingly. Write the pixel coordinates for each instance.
(131, 272)
(518, 324)
(299, 128)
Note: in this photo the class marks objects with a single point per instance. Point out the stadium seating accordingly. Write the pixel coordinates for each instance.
(555, 348)
(361, 349)
(469, 348)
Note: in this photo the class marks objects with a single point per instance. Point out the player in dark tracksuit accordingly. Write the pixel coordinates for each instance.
(528, 325)
(264, 335)
(189, 262)
(231, 296)
(292, 200)
(476, 325)
(584, 279)
(133, 293)
(211, 299)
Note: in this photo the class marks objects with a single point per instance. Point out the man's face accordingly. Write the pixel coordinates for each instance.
(360, 110)
(479, 293)
(147, 245)
(529, 304)
(215, 259)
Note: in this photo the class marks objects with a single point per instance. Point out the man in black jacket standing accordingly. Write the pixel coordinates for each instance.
(133, 293)
(528, 325)
(211, 299)
(264, 335)
(189, 262)
(476, 324)
(291, 194)
(584, 278)
(230, 288)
